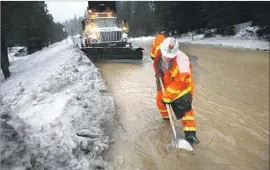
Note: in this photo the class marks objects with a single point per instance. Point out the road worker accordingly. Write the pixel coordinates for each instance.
(155, 45)
(175, 70)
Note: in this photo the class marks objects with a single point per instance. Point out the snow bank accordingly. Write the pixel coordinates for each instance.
(77, 40)
(251, 43)
(149, 38)
(245, 38)
(242, 26)
(55, 112)
(142, 41)
(15, 52)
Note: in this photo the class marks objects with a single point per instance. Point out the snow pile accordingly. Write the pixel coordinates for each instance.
(143, 42)
(149, 38)
(14, 51)
(245, 38)
(77, 40)
(242, 26)
(18, 51)
(55, 112)
(12, 140)
(252, 43)
(247, 32)
(199, 36)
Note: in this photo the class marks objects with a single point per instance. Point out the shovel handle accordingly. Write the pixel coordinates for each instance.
(168, 110)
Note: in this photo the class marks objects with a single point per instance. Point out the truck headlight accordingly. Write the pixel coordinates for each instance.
(125, 29)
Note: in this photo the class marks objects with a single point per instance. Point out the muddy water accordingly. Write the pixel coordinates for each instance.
(231, 104)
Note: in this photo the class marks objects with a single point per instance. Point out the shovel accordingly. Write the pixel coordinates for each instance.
(179, 143)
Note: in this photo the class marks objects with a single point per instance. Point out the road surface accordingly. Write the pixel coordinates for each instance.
(231, 104)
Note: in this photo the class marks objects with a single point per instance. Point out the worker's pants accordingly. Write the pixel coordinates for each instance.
(185, 116)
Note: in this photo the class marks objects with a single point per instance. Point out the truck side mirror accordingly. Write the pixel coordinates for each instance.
(83, 25)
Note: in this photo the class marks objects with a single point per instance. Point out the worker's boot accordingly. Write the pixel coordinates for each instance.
(191, 137)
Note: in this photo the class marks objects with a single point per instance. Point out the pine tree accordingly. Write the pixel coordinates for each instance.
(29, 24)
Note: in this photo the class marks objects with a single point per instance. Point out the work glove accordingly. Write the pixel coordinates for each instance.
(191, 137)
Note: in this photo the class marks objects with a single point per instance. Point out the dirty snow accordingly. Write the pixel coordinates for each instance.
(15, 52)
(142, 41)
(55, 112)
(229, 41)
(236, 41)
(244, 38)
(142, 38)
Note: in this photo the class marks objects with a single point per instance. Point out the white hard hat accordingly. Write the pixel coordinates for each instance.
(169, 47)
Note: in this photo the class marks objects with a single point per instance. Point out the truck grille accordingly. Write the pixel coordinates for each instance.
(110, 36)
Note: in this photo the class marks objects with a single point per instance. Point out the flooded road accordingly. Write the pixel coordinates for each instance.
(231, 103)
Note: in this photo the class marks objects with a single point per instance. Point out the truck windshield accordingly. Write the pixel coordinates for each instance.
(106, 22)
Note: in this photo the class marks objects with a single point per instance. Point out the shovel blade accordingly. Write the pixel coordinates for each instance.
(182, 144)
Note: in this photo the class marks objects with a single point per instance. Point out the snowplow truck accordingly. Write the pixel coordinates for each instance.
(105, 36)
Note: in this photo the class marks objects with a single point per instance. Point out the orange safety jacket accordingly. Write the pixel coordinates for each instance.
(178, 79)
(156, 45)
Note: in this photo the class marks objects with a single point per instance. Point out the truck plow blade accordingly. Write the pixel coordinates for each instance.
(102, 52)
